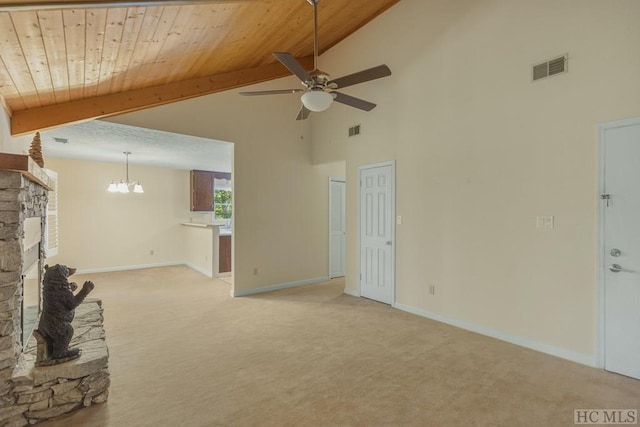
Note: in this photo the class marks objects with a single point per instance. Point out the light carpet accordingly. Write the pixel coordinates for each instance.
(184, 353)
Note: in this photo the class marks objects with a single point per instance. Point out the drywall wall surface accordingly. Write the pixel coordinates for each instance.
(8, 143)
(481, 151)
(280, 198)
(102, 230)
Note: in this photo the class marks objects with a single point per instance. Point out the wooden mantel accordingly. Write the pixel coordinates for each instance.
(27, 167)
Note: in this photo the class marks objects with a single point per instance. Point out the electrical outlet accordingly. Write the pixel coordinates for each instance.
(432, 289)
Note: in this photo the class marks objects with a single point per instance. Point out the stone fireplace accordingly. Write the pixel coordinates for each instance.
(30, 394)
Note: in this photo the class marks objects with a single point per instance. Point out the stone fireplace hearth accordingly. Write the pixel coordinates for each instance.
(30, 394)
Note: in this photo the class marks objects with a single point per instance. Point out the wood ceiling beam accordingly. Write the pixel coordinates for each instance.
(41, 118)
(11, 6)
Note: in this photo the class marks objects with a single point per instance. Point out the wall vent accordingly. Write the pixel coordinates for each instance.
(61, 140)
(354, 130)
(550, 68)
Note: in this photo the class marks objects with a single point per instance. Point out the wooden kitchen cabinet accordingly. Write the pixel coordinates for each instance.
(224, 265)
(202, 190)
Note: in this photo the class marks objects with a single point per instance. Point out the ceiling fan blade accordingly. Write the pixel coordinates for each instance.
(303, 114)
(292, 65)
(271, 92)
(353, 102)
(362, 76)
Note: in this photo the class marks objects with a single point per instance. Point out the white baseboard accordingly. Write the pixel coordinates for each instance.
(199, 269)
(352, 293)
(141, 266)
(582, 358)
(245, 292)
(128, 267)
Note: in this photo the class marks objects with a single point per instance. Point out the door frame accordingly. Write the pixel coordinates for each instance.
(601, 256)
(344, 181)
(391, 163)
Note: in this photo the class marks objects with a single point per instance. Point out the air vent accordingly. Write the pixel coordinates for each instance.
(550, 68)
(61, 140)
(354, 130)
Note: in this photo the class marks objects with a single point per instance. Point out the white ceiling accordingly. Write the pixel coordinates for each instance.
(105, 142)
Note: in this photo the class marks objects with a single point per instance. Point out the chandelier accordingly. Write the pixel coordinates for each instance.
(124, 184)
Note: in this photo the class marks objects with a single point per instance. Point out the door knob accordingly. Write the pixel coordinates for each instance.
(615, 268)
(615, 252)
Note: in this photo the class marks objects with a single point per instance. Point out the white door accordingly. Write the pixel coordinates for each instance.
(621, 246)
(337, 229)
(377, 210)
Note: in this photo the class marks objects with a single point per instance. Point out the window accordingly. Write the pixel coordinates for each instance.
(222, 204)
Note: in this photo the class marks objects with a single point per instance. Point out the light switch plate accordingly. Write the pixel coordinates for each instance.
(545, 222)
(399, 219)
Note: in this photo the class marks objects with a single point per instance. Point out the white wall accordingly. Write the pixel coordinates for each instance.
(8, 143)
(102, 230)
(280, 198)
(481, 151)
(198, 249)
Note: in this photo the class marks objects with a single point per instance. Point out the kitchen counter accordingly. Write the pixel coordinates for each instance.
(208, 251)
(198, 224)
(222, 231)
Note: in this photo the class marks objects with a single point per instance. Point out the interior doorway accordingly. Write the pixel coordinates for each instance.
(337, 229)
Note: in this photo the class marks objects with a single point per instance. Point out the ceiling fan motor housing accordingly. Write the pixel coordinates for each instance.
(319, 80)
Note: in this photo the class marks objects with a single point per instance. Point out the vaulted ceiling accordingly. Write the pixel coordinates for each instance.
(68, 61)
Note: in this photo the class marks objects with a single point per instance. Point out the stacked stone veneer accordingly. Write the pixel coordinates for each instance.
(37, 394)
(30, 394)
(19, 199)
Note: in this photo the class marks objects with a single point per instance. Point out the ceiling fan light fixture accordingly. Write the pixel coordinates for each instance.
(317, 100)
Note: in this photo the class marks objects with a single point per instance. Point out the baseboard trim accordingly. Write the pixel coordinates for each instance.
(270, 288)
(128, 267)
(584, 359)
(199, 269)
(352, 293)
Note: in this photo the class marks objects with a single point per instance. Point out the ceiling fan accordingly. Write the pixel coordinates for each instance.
(320, 89)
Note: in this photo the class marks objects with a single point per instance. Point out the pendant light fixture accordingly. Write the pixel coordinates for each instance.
(124, 184)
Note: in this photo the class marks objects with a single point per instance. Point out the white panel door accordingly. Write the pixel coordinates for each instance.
(337, 229)
(621, 207)
(376, 233)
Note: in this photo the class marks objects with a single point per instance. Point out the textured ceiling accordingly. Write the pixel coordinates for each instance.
(105, 142)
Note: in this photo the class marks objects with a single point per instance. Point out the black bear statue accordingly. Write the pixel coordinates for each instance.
(59, 303)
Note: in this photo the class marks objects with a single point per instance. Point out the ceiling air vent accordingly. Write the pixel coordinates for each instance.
(550, 68)
(61, 140)
(354, 130)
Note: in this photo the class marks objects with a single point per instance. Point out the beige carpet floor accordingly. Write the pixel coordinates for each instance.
(184, 353)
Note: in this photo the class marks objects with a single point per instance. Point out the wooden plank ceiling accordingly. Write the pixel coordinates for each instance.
(61, 64)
